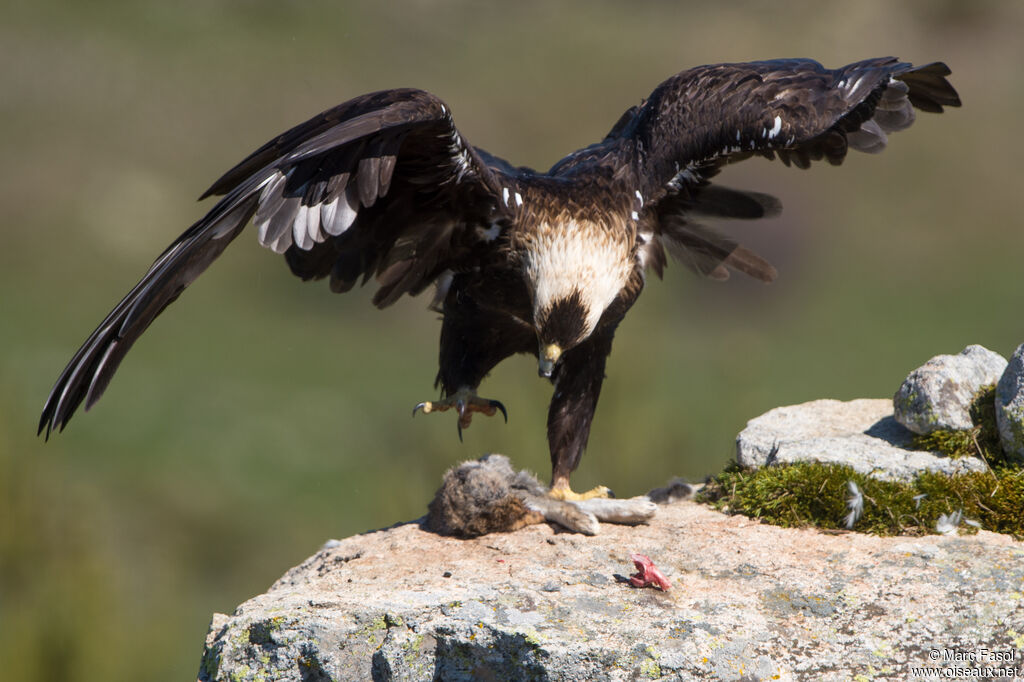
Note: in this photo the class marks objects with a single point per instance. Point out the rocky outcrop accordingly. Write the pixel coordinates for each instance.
(741, 600)
(860, 433)
(876, 437)
(747, 602)
(938, 394)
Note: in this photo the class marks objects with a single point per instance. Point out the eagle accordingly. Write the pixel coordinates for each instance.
(385, 187)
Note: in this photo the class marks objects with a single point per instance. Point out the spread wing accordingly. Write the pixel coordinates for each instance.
(382, 185)
(794, 109)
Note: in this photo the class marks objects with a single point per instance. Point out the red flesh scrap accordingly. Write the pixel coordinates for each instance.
(648, 573)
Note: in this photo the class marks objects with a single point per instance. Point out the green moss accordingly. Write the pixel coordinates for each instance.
(982, 440)
(949, 442)
(814, 494)
(783, 495)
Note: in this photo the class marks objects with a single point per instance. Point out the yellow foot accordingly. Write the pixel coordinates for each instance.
(466, 402)
(566, 494)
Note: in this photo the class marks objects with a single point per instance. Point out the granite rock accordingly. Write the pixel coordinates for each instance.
(748, 602)
(938, 394)
(860, 433)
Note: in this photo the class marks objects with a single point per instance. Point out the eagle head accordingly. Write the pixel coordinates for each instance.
(561, 325)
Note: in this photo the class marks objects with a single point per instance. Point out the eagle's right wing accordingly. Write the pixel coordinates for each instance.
(793, 109)
(380, 186)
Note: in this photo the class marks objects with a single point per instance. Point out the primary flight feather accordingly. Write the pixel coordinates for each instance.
(385, 187)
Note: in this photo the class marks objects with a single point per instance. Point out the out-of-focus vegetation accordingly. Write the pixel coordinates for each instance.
(260, 415)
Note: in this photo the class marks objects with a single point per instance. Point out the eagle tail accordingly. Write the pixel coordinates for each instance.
(714, 201)
(702, 248)
(710, 253)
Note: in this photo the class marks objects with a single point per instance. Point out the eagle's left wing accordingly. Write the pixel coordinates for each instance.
(794, 109)
(381, 186)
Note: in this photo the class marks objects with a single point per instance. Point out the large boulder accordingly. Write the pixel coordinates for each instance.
(747, 602)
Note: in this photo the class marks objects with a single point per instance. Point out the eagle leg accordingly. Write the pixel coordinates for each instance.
(577, 381)
(475, 338)
(466, 402)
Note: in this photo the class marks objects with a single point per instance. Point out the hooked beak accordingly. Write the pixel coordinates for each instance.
(549, 355)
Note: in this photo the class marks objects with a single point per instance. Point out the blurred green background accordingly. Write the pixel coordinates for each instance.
(261, 416)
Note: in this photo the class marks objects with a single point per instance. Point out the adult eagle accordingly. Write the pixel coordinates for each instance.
(384, 186)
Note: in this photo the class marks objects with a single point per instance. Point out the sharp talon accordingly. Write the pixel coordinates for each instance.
(465, 402)
(497, 405)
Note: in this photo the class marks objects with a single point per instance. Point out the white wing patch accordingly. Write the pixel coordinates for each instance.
(347, 208)
(282, 221)
(285, 221)
(299, 236)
